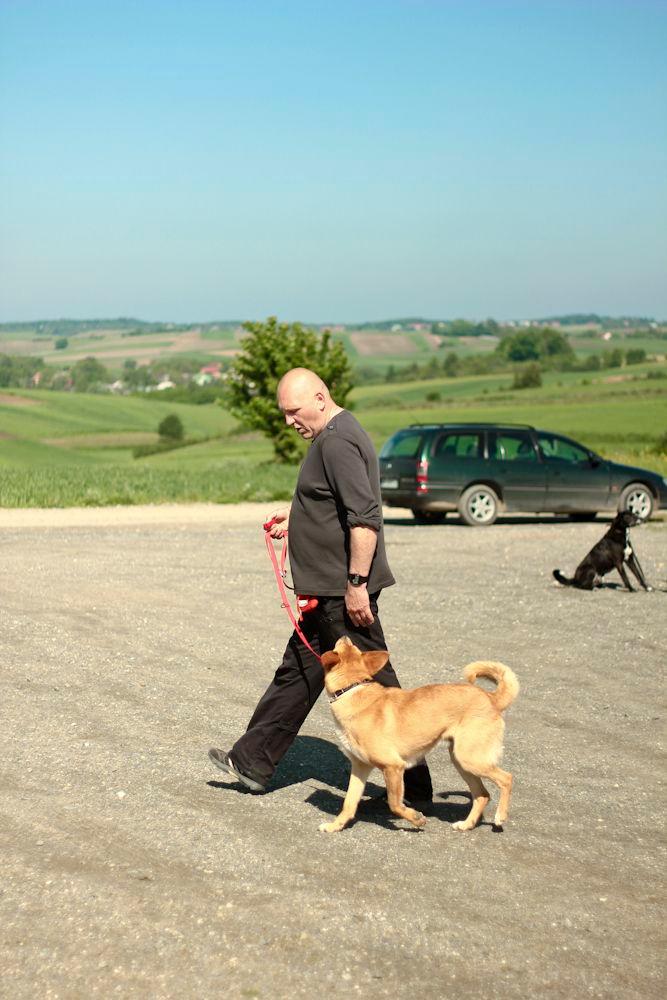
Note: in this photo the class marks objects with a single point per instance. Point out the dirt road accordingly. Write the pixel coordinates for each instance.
(134, 639)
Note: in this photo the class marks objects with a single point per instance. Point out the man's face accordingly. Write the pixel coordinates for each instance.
(304, 410)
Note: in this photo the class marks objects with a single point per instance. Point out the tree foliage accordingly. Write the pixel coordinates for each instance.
(536, 344)
(171, 428)
(527, 376)
(18, 370)
(88, 374)
(268, 351)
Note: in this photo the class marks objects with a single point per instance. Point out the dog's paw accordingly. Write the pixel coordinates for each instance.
(462, 824)
(417, 819)
(330, 827)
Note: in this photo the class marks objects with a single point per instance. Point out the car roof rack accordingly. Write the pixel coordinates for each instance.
(473, 423)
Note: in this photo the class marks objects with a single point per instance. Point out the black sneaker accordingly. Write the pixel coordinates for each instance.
(224, 762)
(411, 801)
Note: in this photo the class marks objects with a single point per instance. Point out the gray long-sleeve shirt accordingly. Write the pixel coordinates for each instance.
(338, 488)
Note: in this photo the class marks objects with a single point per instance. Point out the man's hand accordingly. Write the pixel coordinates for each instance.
(278, 518)
(358, 605)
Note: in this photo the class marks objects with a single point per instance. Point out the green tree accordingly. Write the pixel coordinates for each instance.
(451, 365)
(527, 376)
(523, 346)
(612, 358)
(88, 374)
(537, 344)
(61, 343)
(268, 351)
(635, 356)
(171, 428)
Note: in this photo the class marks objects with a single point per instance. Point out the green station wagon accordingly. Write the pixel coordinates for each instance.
(481, 470)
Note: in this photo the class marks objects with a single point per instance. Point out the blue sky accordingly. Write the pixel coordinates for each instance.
(323, 161)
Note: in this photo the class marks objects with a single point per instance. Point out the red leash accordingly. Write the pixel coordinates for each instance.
(303, 603)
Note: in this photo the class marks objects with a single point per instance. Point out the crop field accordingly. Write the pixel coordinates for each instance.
(71, 449)
(374, 350)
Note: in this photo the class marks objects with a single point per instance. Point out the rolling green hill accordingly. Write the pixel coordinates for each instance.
(62, 449)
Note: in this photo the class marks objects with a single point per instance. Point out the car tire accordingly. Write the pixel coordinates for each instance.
(638, 499)
(429, 516)
(584, 515)
(479, 505)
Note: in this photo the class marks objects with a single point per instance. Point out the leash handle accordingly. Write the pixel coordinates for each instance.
(279, 571)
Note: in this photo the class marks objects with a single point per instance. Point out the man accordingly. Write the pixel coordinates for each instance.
(337, 554)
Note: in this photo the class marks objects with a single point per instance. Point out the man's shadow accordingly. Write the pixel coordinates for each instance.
(308, 757)
(312, 757)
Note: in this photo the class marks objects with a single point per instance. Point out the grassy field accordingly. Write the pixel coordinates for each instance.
(372, 350)
(64, 449)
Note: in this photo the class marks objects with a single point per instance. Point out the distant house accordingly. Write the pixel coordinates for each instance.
(35, 380)
(212, 369)
(202, 378)
(165, 383)
(117, 386)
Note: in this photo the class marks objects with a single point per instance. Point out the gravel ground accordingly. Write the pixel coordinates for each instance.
(133, 639)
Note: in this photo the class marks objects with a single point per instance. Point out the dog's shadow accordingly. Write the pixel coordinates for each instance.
(311, 757)
(376, 809)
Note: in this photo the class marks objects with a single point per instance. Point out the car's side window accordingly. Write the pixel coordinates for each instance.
(561, 450)
(457, 445)
(403, 446)
(511, 446)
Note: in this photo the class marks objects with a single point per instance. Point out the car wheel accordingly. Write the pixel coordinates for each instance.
(478, 505)
(584, 515)
(638, 499)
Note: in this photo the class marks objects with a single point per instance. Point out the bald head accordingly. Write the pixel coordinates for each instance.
(305, 401)
(302, 380)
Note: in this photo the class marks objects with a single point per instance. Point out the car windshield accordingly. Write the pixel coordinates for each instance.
(404, 444)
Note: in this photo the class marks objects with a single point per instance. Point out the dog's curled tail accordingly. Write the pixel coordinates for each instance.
(508, 685)
(562, 579)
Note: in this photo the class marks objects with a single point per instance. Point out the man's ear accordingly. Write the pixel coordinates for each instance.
(375, 660)
(330, 658)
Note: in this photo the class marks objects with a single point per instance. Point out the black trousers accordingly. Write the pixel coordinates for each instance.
(296, 686)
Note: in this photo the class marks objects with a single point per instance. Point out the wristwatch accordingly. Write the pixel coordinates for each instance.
(356, 579)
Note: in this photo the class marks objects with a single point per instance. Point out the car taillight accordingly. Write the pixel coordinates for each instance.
(422, 476)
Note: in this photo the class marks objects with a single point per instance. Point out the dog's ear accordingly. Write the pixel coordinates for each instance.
(375, 660)
(330, 658)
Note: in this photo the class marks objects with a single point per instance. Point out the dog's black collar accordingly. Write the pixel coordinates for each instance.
(336, 695)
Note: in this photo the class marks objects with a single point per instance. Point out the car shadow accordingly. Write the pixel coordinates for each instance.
(455, 521)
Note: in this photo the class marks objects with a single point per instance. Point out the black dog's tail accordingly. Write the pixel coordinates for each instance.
(563, 579)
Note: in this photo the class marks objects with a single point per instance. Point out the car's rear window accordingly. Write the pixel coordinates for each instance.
(404, 444)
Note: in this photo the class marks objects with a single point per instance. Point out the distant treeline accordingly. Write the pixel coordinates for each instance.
(545, 347)
(448, 327)
(72, 327)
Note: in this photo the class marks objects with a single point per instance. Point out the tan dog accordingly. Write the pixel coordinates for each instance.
(392, 729)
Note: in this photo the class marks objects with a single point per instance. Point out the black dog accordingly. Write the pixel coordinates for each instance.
(613, 551)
